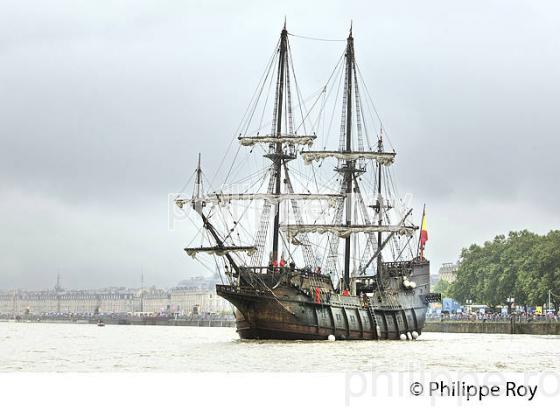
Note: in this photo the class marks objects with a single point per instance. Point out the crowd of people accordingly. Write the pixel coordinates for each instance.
(494, 317)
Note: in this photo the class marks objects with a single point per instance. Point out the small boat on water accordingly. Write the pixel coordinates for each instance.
(100, 323)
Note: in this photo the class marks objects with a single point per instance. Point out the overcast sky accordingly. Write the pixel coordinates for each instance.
(104, 105)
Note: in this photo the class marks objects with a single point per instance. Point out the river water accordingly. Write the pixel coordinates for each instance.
(43, 347)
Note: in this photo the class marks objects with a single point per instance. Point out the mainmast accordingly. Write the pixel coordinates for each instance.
(281, 145)
(278, 157)
(348, 168)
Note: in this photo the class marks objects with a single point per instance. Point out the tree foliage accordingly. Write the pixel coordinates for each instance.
(443, 287)
(522, 265)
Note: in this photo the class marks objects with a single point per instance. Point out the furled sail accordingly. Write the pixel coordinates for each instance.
(216, 198)
(344, 231)
(272, 139)
(220, 250)
(384, 158)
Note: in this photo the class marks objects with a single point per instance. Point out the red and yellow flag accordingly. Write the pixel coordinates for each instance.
(423, 231)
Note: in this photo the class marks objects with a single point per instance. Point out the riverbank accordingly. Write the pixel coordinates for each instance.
(145, 321)
(540, 327)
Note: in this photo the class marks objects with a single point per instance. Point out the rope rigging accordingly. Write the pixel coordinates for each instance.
(355, 122)
(316, 38)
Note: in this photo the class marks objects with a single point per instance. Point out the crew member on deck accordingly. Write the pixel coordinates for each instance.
(282, 264)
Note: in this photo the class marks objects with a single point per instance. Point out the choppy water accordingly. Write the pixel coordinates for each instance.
(40, 347)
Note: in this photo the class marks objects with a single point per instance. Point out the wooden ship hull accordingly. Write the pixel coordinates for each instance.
(295, 310)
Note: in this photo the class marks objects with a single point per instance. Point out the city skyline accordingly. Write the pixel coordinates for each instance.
(58, 284)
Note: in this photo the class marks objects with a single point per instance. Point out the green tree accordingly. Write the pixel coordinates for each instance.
(443, 287)
(522, 265)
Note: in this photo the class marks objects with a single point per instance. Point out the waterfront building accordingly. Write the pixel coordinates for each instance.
(186, 301)
(66, 302)
(155, 301)
(448, 272)
(195, 295)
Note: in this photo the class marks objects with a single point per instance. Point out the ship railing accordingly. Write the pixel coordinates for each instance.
(259, 270)
(242, 290)
(273, 274)
(394, 269)
(267, 270)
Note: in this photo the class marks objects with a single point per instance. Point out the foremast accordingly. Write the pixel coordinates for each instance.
(198, 204)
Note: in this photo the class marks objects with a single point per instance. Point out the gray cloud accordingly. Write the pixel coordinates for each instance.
(103, 108)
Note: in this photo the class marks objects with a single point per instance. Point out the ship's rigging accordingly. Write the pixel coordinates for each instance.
(338, 225)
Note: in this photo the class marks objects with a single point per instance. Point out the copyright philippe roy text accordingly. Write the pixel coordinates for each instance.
(461, 387)
(471, 391)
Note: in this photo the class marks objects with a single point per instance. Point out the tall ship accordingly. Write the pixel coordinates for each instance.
(311, 243)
